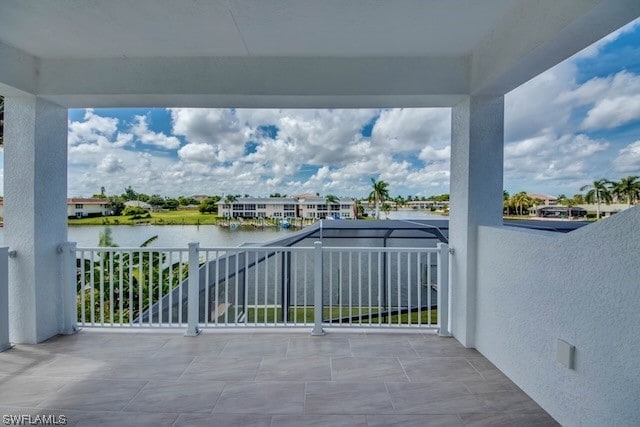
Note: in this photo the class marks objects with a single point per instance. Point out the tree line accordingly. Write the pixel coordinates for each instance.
(625, 191)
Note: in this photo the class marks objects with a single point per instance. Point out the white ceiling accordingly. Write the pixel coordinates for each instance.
(289, 53)
(185, 28)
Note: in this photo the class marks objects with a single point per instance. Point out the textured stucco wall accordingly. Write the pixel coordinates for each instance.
(35, 217)
(582, 287)
(476, 198)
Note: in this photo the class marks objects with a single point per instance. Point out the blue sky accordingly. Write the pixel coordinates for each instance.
(575, 123)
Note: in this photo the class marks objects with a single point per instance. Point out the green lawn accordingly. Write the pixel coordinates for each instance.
(259, 314)
(179, 217)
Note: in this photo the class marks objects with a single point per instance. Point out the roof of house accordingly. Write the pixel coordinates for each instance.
(541, 196)
(86, 201)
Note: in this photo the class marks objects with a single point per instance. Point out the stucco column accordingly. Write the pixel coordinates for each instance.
(477, 138)
(35, 215)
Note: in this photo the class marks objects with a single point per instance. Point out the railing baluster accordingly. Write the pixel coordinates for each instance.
(92, 279)
(207, 301)
(266, 289)
(409, 308)
(150, 292)
(245, 294)
(255, 288)
(369, 286)
(83, 291)
(131, 310)
(443, 289)
(160, 285)
(180, 291)
(217, 294)
(140, 286)
(305, 289)
(380, 291)
(419, 282)
(317, 288)
(350, 288)
(237, 285)
(121, 288)
(429, 302)
(294, 259)
(359, 288)
(170, 309)
(340, 295)
(111, 255)
(398, 286)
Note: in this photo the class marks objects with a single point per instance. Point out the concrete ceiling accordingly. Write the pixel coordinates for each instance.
(308, 28)
(289, 53)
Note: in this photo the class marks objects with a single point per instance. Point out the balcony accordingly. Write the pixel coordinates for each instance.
(264, 378)
(514, 294)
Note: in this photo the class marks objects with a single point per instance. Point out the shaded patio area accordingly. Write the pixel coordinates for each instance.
(261, 379)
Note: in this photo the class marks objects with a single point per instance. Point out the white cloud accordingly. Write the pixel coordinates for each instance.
(197, 152)
(613, 112)
(111, 164)
(412, 129)
(92, 128)
(140, 129)
(628, 159)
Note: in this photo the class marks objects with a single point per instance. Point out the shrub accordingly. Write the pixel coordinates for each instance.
(134, 210)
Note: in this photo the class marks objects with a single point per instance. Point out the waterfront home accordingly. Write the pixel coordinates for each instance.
(79, 207)
(545, 199)
(305, 206)
(87, 207)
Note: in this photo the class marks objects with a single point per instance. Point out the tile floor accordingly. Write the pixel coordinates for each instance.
(261, 379)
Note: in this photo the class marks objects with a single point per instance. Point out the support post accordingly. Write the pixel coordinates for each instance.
(35, 214)
(4, 299)
(443, 290)
(317, 289)
(193, 291)
(477, 139)
(69, 293)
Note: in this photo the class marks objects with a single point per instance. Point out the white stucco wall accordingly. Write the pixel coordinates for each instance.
(476, 198)
(582, 287)
(35, 218)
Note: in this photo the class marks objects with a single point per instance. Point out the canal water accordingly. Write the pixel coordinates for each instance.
(206, 235)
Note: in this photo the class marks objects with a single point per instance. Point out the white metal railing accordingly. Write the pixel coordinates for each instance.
(315, 287)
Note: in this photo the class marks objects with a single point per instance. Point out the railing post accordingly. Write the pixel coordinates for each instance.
(70, 280)
(4, 299)
(317, 289)
(193, 304)
(443, 290)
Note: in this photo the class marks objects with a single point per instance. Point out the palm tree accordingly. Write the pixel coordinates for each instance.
(628, 188)
(386, 208)
(379, 194)
(598, 193)
(520, 202)
(331, 199)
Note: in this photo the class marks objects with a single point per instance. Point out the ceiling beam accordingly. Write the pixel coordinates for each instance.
(255, 81)
(539, 34)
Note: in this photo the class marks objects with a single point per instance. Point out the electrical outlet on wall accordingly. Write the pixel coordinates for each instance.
(565, 353)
